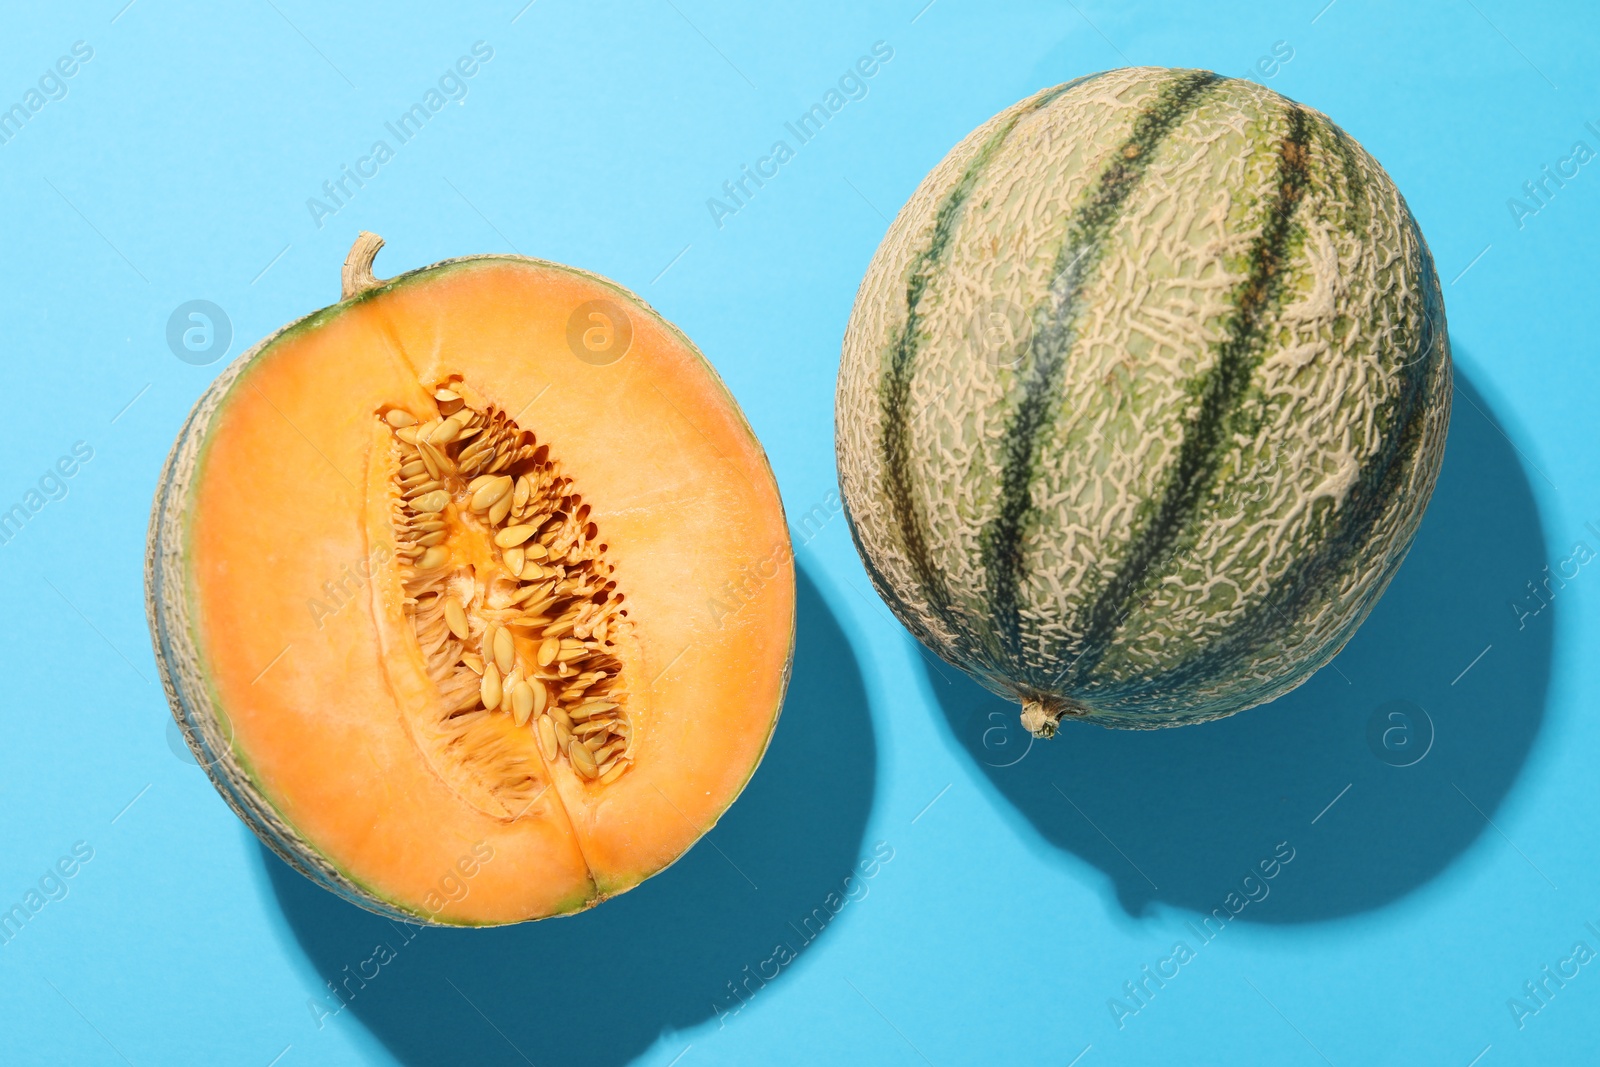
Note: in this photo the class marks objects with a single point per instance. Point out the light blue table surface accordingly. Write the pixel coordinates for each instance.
(1014, 894)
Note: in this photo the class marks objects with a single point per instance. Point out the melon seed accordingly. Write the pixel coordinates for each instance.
(582, 760)
(429, 460)
(505, 650)
(489, 688)
(512, 536)
(522, 702)
(448, 431)
(490, 493)
(547, 651)
(439, 458)
(455, 617)
(434, 558)
(399, 417)
(431, 502)
(547, 738)
(591, 709)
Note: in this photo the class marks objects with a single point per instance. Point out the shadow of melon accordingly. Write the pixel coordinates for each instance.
(1180, 816)
(601, 987)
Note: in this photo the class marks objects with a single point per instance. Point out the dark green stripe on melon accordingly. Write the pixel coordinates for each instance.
(896, 389)
(1224, 387)
(1053, 339)
(1344, 531)
(1355, 185)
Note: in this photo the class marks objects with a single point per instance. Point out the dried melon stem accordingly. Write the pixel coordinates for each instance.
(512, 601)
(1042, 715)
(357, 276)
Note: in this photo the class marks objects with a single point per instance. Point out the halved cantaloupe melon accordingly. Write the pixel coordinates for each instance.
(473, 592)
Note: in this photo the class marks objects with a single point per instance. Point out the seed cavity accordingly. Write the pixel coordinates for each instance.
(513, 603)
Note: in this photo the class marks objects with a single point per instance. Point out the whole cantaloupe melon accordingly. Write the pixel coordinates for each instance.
(1142, 398)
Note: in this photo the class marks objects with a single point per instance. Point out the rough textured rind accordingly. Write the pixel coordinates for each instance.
(1143, 397)
(167, 609)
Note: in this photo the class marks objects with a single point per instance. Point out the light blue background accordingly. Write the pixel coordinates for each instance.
(1019, 898)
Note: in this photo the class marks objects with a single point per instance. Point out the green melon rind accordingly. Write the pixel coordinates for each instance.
(195, 704)
(963, 407)
(1055, 333)
(169, 610)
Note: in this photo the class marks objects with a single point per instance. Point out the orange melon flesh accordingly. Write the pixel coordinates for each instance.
(292, 633)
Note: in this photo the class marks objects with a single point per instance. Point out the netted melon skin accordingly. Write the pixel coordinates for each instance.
(177, 652)
(1143, 397)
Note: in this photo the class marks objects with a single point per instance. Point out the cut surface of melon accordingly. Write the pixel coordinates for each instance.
(453, 592)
